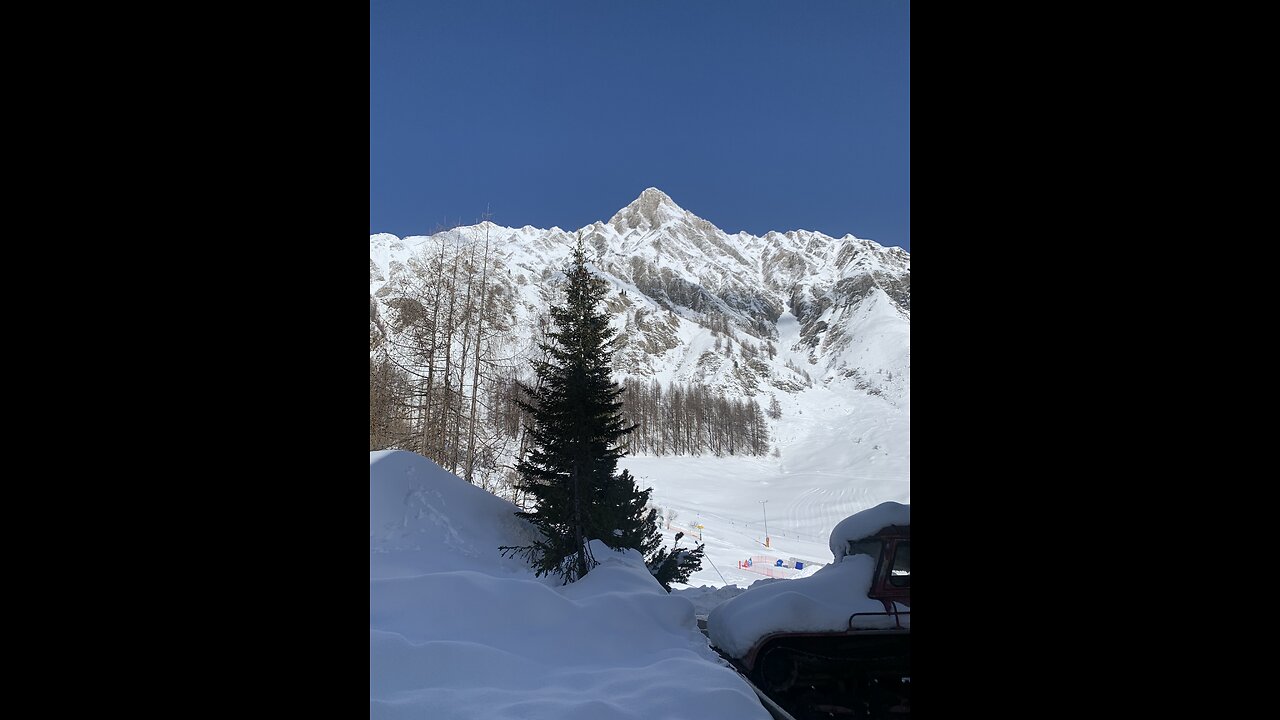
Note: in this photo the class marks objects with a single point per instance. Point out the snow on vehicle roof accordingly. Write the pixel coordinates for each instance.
(867, 522)
(821, 602)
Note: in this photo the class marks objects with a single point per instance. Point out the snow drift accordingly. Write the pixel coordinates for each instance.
(457, 631)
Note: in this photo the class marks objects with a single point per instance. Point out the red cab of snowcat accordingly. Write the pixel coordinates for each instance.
(892, 580)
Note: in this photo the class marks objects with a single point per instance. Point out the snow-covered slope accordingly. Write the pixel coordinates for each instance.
(456, 631)
(838, 455)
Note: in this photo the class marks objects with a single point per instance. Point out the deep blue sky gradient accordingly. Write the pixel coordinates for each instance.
(754, 115)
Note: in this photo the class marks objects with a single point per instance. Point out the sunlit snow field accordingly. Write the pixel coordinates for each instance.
(840, 452)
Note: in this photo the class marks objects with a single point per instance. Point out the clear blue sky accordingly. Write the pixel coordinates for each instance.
(754, 115)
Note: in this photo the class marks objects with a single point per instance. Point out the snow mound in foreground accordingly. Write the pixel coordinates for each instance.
(423, 518)
(457, 632)
(706, 598)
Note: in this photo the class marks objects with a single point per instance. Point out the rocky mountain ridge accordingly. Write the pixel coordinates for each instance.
(749, 315)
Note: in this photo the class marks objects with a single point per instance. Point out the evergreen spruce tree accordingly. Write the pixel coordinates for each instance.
(575, 435)
(775, 409)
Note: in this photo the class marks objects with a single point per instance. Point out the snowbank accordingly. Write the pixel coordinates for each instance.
(424, 519)
(867, 522)
(456, 631)
(706, 598)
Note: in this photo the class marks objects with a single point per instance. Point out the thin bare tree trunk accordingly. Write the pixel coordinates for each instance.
(467, 312)
(448, 360)
(431, 353)
(475, 376)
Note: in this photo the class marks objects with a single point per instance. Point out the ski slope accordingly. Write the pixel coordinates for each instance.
(840, 451)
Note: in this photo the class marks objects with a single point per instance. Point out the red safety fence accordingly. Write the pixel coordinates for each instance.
(768, 566)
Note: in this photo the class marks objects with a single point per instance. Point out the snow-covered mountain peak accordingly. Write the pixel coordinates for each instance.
(740, 313)
(649, 211)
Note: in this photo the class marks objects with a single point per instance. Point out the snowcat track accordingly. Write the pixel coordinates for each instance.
(863, 677)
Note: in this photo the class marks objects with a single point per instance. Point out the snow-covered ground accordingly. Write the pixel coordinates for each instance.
(457, 631)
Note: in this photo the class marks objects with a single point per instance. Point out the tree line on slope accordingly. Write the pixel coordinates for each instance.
(692, 420)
